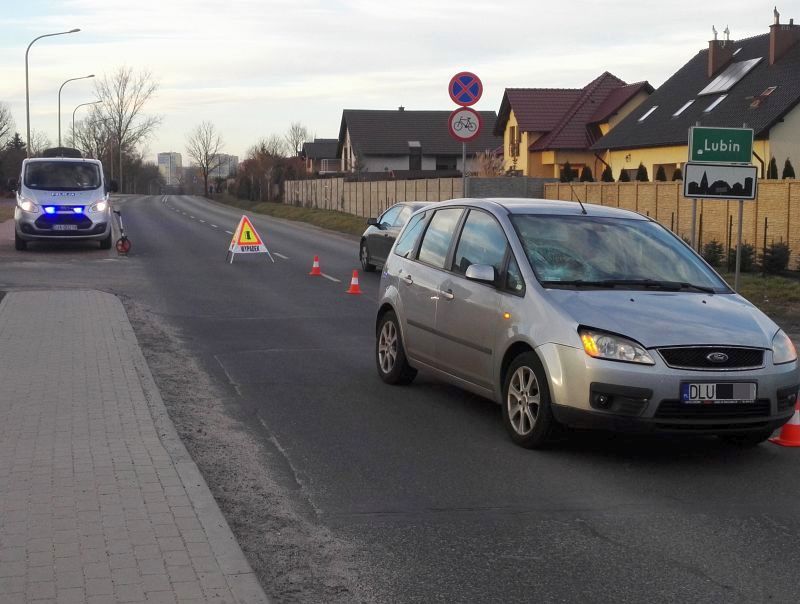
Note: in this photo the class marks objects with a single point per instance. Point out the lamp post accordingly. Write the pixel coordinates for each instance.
(27, 89)
(59, 101)
(73, 118)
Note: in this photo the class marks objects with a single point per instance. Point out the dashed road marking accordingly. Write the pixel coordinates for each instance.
(203, 221)
(281, 256)
(334, 279)
(214, 226)
(192, 217)
(229, 232)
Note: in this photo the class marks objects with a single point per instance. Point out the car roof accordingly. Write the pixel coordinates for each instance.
(37, 160)
(523, 205)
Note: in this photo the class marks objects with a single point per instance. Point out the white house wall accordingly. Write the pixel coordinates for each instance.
(784, 140)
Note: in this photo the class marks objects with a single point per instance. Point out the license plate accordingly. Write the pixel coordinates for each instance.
(65, 227)
(718, 394)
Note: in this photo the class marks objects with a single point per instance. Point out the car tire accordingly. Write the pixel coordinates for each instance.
(20, 244)
(527, 414)
(390, 354)
(746, 439)
(105, 244)
(364, 255)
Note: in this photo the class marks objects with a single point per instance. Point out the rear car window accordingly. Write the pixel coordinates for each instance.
(408, 238)
(437, 238)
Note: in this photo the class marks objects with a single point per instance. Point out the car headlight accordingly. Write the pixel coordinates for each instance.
(27, 205)
(614, 348)
(783, 350)
(100, 206)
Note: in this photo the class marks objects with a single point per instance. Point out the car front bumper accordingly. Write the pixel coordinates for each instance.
(589, 392)
(61, 226)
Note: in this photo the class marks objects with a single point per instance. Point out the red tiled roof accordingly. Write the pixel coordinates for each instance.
(567, 117)
(573, 130)
(617, 99)
(536, 109)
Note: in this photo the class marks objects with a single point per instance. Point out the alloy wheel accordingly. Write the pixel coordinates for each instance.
(387, 347)
(523, 400)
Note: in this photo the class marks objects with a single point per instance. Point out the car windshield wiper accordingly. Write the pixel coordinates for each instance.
(612, 283)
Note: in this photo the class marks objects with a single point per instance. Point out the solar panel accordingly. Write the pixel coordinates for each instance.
(728, 78)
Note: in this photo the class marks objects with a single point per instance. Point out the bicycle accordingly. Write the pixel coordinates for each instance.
(465, 121)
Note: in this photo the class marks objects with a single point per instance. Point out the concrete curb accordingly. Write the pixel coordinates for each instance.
(239, 576)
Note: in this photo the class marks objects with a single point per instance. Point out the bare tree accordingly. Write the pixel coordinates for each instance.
(92, 136)
(39, 142)
(272, 145)
(124, 95)
(6, 123)
(203, 145)
(296, 135)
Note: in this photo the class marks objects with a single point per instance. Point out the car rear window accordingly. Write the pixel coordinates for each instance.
(437, 238)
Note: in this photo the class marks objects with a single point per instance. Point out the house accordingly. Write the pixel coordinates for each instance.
(753, 82)
(320, 155)
(543, 128)
(400, 140)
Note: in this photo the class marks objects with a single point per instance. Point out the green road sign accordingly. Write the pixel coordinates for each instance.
(722, 145)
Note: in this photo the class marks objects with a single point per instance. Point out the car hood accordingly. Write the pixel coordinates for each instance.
(65, 198)
(668, 318)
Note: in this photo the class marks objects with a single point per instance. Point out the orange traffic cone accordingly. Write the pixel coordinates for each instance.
(354, 288)
(790, 433)
(315, 268)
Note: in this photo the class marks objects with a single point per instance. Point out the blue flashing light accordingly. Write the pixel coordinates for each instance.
(49, 210)
(78, 210)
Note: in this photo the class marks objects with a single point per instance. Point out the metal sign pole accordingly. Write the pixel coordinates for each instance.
(739, 248)
(463, 169)
(694, 224)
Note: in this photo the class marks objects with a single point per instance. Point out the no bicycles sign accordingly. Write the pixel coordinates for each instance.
(464, 124)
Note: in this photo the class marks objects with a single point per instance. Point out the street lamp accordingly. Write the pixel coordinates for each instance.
(27, 90)
(73, 117)
(59, 102)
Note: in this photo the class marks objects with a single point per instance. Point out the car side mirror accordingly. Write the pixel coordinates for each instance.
(12, 184)
(113, 186)
(372, 222)
(481, 272)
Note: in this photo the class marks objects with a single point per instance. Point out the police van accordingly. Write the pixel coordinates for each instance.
(62, 197)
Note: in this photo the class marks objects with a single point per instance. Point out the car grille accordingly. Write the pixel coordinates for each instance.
(47, 222)
(675, 409)
(695, 357)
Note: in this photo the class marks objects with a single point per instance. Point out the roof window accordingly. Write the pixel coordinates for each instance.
(716, 102)
(737, 51)
(682, 109)
(730, 77)
(649, 111)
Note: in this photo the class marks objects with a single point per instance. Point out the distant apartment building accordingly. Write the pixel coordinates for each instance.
(226, 166)
(169, 165)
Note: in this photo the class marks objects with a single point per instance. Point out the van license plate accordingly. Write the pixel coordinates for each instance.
(65, 227)
(718, 394)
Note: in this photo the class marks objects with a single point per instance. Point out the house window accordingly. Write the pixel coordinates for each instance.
(716, 102)
(683, 108)
(414, 155)
(649, 111)
(445, 162)
(513, 143)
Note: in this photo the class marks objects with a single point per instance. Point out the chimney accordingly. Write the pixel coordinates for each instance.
(720, 53)
(781, 38)
(401, 108)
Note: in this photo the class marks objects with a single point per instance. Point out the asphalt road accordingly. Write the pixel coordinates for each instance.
(410, 494)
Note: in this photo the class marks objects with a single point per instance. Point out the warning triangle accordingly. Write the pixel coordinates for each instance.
(247, 234)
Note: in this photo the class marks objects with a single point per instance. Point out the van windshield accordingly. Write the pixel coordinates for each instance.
(62, 176)
(592, 252)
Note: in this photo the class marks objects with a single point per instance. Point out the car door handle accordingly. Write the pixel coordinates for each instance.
(408, 280)
(447, 295)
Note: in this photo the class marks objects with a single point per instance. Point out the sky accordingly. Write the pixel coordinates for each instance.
(252, 67)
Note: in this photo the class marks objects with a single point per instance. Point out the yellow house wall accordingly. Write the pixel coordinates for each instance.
(785, 141)
(626, 109)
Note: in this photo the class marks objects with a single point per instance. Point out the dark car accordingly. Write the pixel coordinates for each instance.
(379, 237)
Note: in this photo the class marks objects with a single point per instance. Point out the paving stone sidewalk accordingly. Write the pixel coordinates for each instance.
(99, 500)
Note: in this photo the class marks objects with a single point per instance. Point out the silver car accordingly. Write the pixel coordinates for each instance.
(589, 317)
(62, 198)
